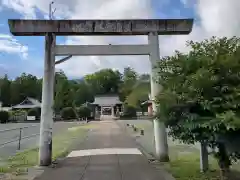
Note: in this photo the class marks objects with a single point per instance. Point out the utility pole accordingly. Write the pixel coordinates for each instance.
(50, 10)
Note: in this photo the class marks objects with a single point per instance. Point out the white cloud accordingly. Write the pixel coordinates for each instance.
(215, 17)
(20, 6)
(92, 9)
(219, 17)
(108, 9)
(9, 44)
(28, 8)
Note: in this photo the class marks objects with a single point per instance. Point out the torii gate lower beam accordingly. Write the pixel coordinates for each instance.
(51, 28)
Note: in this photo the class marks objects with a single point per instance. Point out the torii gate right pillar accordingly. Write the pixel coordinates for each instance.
(160, 135)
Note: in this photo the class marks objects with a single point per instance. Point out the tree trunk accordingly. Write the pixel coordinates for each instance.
(223, 162)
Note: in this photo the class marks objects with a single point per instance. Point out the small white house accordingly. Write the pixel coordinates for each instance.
(28, 103)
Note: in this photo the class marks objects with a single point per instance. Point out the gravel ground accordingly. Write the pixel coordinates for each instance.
(11, 148)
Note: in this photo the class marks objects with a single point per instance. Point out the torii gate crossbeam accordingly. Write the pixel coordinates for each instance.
(52, 28)
(101, 50)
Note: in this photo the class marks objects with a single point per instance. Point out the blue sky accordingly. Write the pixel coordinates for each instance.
(25, 54)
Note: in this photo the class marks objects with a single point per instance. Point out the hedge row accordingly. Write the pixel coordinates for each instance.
(4, 116)
(69, 113)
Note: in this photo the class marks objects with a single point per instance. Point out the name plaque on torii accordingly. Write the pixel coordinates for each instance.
(100, 27)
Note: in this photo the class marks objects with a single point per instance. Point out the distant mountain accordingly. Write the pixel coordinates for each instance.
(144, 77)
(78, 80)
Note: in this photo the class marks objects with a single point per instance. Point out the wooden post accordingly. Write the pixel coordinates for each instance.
(203, 157)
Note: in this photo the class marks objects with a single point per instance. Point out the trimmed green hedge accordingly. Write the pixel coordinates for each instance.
(129, 112)
(4, 116)
(84, 112)
(34, 112)
(68, 113)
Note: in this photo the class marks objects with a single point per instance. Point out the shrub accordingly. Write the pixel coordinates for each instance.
(68, 113)
(199, 101)
(34, 112)
(4, 116)
(129, 111)
(84, 112)
(17, 112)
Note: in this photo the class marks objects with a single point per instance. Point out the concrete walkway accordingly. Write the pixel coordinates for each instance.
(107, 154)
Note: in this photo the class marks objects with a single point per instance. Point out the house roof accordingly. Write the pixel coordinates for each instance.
(147, 102)
(106, 100)
(28, 103)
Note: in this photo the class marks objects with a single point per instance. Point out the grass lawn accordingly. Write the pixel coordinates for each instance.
(61, 146)
(187, 167)
(185, 162)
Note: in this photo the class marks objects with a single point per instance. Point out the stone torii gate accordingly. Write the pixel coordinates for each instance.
(52, 28)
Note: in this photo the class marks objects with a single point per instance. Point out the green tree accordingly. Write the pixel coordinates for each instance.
(105, 81)
(83, 94)
(24, 86)
(129, 78)
(15, 93)
(5, 87)
(70, 93)
(138, 94)
(63, 91)
(200, 101)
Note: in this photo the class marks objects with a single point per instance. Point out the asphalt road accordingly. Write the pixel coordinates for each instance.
(11, 148)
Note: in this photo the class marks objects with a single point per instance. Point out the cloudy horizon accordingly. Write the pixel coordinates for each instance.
(25, 54)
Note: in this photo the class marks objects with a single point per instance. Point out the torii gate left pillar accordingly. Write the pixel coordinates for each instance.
(51, 28)
(46, 125)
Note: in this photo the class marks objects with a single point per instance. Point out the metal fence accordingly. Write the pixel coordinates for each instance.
(19, 138)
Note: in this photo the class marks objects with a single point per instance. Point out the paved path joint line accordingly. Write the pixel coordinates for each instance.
(104, 151)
